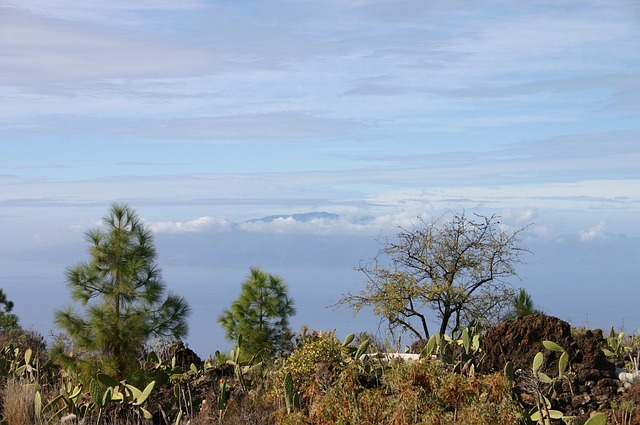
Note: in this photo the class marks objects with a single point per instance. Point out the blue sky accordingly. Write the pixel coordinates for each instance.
(205, 113)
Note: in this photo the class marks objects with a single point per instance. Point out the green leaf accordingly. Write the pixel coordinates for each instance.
(27, 356)
(145, 394)
(222, 399)
(135, 392)
(176, 390)
(117, 396)
(508, 371)
(553, 414)
(76, 392)
(107, 396)
(96, 392)
(556, 414)
(38, 405)
(431, 345)
(348, 340)
(608, 353)
(597, 419)
(361, 349)
(466, 341)
(107, 380)
(288, 392)
(475, 345)
(552, 346)
(544, 378)
(537, 361)
(146, 414)
(563, 363)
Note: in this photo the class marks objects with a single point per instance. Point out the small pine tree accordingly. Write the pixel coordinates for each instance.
(260, 314)
(122, 293)
(522, 305)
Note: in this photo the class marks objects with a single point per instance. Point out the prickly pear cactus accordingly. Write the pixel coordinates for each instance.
(288, 392)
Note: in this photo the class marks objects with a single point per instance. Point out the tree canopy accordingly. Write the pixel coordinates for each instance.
(8, 320)
(121, 292)
(260, 315)
(455, 265)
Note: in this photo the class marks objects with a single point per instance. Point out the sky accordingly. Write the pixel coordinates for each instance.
(206, 114)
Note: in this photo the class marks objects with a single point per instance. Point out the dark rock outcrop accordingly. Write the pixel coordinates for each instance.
(590, 382)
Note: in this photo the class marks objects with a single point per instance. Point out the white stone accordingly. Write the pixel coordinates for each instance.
(389, 356)
(628, 378)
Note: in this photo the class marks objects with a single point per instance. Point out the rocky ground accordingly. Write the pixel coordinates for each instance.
(589, 386)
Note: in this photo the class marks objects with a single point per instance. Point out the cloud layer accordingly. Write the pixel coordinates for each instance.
(203, 114)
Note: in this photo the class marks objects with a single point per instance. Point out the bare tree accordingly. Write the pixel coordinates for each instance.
(455, 265)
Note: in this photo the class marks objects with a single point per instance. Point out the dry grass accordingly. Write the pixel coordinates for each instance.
(18, 403)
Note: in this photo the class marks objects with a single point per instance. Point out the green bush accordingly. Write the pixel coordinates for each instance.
(319, 357)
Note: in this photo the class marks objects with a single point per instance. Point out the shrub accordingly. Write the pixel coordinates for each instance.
(417, 392)
(319, 357)
(22, 339)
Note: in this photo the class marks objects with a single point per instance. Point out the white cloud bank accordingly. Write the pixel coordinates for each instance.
(202, 224)
(342, 225)
(594, 232)
(356, 225)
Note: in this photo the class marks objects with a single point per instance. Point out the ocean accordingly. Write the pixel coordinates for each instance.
(38, 289)
(582, 293)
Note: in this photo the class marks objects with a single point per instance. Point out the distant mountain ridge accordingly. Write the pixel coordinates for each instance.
(303, 217)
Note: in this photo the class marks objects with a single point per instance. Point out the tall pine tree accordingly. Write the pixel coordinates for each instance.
(122, 296)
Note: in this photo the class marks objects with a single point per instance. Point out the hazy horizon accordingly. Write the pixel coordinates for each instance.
(569, 277)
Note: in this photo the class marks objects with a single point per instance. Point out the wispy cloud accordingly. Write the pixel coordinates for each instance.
(359, 108)
(311, 54)
(279, 126)
(39, 49)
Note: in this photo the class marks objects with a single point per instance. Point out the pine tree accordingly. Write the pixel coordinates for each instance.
(8, 320)
(261, 313)
(122, 293)
(522, 305)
